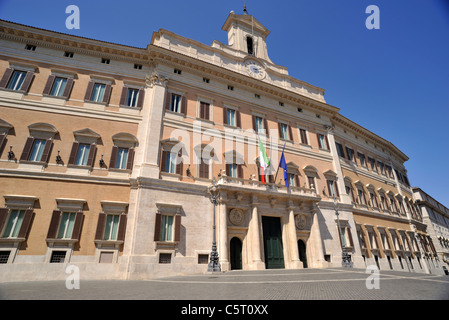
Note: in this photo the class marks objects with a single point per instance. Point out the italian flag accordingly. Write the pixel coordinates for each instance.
(263, 160)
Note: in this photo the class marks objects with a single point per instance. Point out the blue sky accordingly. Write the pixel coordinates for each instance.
(393, 81)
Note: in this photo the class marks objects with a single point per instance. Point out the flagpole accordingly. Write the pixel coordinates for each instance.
(278, 165)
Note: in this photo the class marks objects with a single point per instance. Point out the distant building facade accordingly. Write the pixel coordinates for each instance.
(436, 217)
(107, 153)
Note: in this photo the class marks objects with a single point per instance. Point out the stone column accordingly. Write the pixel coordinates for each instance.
(146, 163)
(316, 241)
(255, 236)
(344, 198)
(223, 250)
(295, 263)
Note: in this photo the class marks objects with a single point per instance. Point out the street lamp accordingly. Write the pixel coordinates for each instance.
(214, 265)
(346, 258)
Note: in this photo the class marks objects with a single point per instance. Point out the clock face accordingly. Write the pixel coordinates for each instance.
(255, 69)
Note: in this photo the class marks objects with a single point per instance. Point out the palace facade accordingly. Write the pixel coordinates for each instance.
(108, 152)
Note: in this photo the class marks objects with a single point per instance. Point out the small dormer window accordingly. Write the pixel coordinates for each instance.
(250, 45)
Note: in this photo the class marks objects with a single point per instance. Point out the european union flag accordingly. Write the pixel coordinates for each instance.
(283, 165)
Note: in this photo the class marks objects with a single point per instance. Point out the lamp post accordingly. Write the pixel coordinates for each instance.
(214, 265)
(346, 258)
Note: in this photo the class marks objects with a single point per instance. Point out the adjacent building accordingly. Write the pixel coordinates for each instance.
(107, 153)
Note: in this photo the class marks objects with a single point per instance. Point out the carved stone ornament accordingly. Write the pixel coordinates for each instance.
(155, 79)
(300, 221)
(237, 217)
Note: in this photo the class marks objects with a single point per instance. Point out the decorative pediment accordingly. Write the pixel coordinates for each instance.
(233, 156)
(125, 137)
(86, 133)
(42, 127)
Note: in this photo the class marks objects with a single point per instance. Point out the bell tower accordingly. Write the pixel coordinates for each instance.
(247, 35)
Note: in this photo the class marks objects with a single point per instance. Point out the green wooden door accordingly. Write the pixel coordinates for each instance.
(272, 238)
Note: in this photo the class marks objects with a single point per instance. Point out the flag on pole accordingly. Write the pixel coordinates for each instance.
(263, 160)
(283, 165)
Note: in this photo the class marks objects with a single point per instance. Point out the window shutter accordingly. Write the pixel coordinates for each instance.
(225, 115)
(280, 130)
(254, 124)
(6, 76)
(122, 227)
(2, 142)
(68, 88)
(91, 156)
(239, 121)
(90, 88)
(141, 98)
(318, 139)
(202, 111)
(177, 228)
(204, 169)
(184, 105)
(297, 180)
(49, 84)
(129, 165)
(100, 226)
(228, 170)
(3, 215)
(348, 230)
(76, 233)
(290, 133)
(164, 161)
(27, 82)
(113, 157)
(157, 227)
(47, 150)
(26, 223)
(167, 101)
(123, 96)
(336, 189)
(179, 165)
(54, 224)
(240, 171)
(107, 93)
(27, 149)
(265, 124)
(207, 109)
(327, 142)
(73, 152)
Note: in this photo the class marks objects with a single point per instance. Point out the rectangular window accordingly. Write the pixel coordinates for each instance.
(132, 97)
(291, 180)
(17, 80)
(98, 92)
(37, 150)
(231, 117)
(343, 236)
(361, 158)
(361, 196)
(122, 158)
(66, 226)
(58, 87)
(259, 125)
(166, 228)
(284, 131)
(372, 163)
(204, 110)
(381, 166)
(68, 54)
(13, 224)
(350, 153)
(311, 181)
(58, 256)
(332, 188)
(373, 199)
(82, 154)
(322, 142)
(303, 135)
(232, 168)
(111, 227)
(170, 166)
(175, 103)
(340, 150)
(4, 256)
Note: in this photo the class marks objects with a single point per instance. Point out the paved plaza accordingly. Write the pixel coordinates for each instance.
(306, 284)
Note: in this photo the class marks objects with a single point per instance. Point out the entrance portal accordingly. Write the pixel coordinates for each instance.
(272, 240)
(302, 253)
(236, 254)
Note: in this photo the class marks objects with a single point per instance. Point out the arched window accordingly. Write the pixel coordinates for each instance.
(250, 45)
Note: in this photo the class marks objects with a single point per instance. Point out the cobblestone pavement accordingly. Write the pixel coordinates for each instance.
(306, 284)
